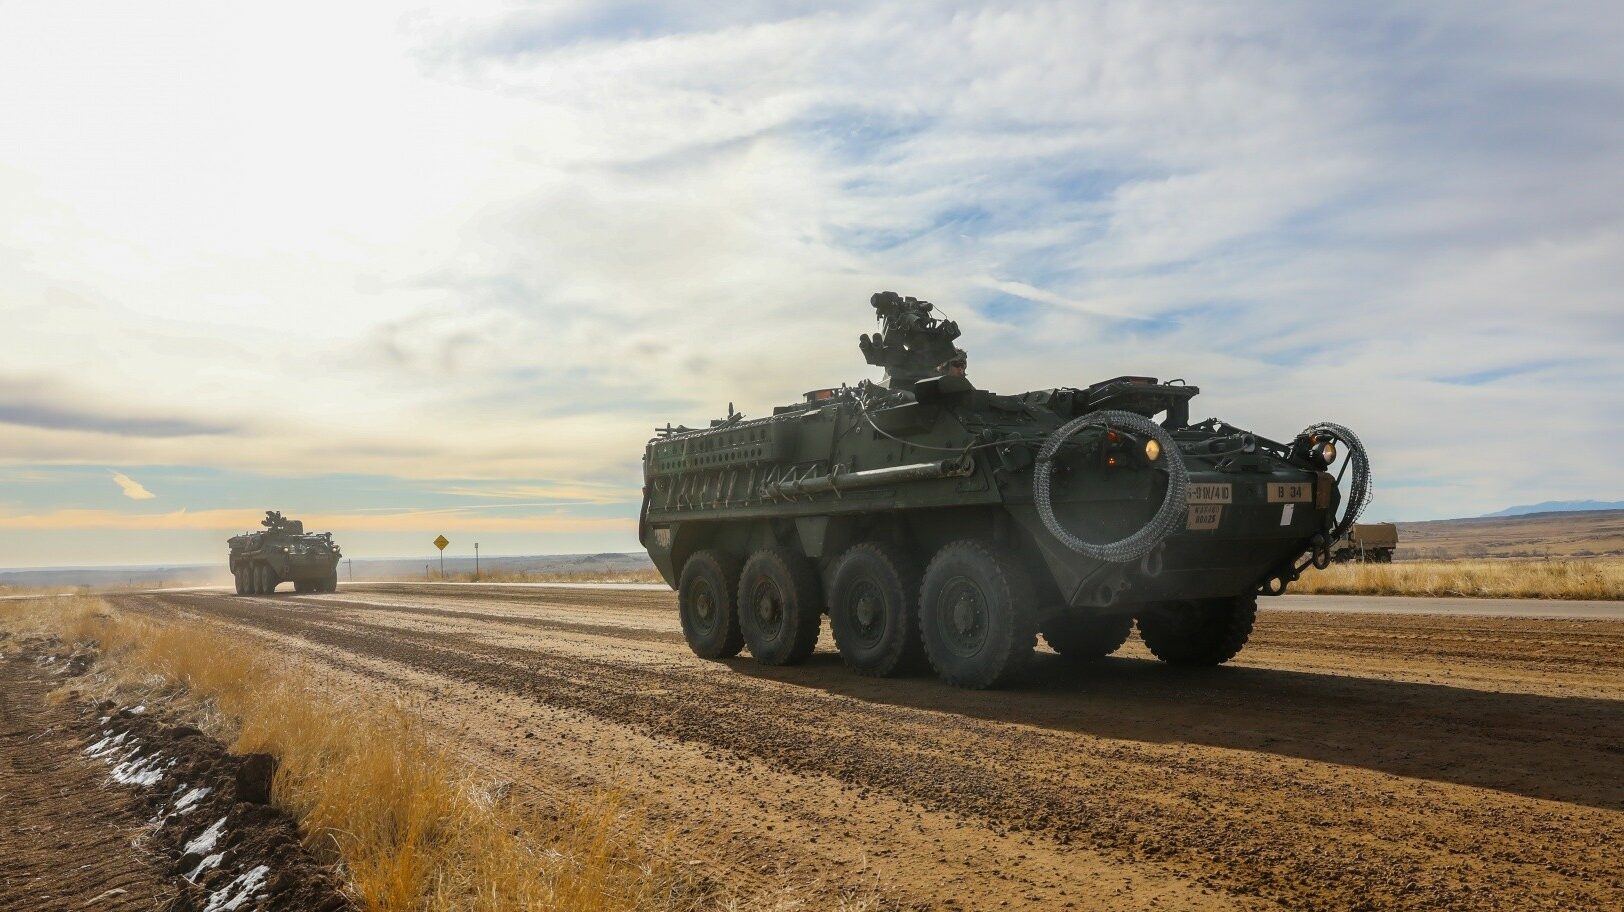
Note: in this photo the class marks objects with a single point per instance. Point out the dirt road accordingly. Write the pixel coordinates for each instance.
(1345, 761)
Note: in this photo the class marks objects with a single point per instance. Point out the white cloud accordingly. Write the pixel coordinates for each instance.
(132, 489)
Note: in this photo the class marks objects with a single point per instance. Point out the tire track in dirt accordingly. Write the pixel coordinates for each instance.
(616, 631)
(67, 841)
(1175, 772)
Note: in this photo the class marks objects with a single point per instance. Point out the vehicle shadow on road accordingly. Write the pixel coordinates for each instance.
(1568, 749)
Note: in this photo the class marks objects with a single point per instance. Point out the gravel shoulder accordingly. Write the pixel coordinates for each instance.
(1347, 760)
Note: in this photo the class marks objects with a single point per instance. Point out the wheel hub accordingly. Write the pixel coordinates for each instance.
(866, 612)
(964, 617)
(769, 606)
(705, 606)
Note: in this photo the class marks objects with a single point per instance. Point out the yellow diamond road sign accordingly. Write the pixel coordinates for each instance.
(441, 542)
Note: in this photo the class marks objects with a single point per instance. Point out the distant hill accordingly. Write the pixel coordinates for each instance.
(1560, 506)
(1578, 533)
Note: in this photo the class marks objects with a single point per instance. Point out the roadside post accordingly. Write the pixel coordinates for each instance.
(476, 562)
(440, 543)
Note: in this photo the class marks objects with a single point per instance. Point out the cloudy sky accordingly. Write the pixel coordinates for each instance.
(404, 270)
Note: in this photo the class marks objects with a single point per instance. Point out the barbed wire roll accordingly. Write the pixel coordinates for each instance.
(1162, 525)
(1360, 485)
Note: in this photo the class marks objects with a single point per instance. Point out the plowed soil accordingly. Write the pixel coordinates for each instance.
(1343, 761)
(114, 808)
(68, 840)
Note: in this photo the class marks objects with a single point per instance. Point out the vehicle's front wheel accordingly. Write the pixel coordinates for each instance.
(976, 615)
(780, 606)
(1083, 637)
(706, 604)
(873, 609)
(1198, 633)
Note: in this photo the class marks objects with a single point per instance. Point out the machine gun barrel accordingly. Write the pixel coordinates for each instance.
(873, 478)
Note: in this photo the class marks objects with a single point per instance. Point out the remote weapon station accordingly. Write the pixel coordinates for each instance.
(937, 522)
(283, 551)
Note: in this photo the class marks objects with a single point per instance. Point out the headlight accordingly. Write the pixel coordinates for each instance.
(1153, 450)
(1325, 451)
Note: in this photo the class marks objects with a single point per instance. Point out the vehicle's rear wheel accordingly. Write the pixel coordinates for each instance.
(1082, 637)
(976, 615)
(256, 579)
(707, 605)
(873, 609)
(1198, 633)
(780, 606)
(237, 580)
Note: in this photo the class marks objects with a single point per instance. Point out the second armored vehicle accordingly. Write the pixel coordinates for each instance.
(284, 552)
(936, 521)
(1368, 543)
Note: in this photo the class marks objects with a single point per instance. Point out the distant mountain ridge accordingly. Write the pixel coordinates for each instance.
(1560, 506)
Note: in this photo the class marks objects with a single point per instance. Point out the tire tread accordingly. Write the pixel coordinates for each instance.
(1014, 656)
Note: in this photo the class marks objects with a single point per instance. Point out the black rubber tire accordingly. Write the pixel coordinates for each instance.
(330, 584)
(712, 631)
(301, 586)
(780, 606)
(1199, 633)
(270, 580)
(237, 581)
(873, 609)
(976, 615)
(1084, 638)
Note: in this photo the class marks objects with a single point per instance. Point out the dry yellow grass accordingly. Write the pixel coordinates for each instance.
(412, 828)
(1553, 579)
(649, 575)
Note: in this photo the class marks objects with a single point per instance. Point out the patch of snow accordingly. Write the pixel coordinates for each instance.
(139, 710)
(106, 745)
(244, 887)
(206, 840)
(142, 772)
(190, 798)
(213, 861)
(103, 720)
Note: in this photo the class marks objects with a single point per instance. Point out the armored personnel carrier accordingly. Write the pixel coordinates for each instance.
(283, 551)
(934, 521)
